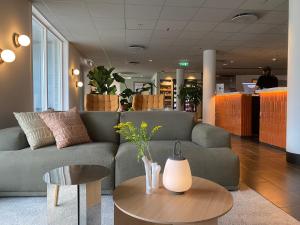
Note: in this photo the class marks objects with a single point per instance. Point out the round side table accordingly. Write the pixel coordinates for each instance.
(203, 204)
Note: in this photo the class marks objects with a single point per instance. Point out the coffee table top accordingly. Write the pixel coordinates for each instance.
(205, 200)
(75, 174)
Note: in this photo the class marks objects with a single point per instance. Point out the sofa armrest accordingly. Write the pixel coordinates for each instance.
(12, 138)
(209, 136)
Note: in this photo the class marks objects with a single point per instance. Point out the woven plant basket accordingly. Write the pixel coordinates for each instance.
(108, 103)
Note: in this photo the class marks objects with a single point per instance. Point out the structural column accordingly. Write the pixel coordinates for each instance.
(179, 83)
(293, 103)
(209, 85)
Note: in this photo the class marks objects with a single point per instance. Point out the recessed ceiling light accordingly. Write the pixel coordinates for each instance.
(260, 67)
(150, 60)
(274, 59)
(225, 64)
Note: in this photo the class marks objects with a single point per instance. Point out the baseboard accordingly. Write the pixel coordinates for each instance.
(293, 158)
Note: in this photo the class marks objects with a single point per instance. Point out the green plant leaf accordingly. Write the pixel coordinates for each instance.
(118, 78)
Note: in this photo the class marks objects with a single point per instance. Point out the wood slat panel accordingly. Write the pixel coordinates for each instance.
(273, 107)
(234, 113)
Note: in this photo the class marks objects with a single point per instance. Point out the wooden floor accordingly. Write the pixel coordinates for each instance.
(264, 169)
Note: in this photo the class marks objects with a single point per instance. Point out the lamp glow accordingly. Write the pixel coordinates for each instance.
(7, 56)
(21, 40)
(79, 84)
(76, 72)
(177, 176)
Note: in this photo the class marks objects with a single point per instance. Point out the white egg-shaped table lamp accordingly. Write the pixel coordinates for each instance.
(177, 176)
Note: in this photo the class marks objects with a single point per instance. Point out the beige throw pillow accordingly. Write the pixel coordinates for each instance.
(37, 132)
(67, 128)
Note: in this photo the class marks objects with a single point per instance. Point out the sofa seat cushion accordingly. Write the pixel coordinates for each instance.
(220, 165)
(22, 171)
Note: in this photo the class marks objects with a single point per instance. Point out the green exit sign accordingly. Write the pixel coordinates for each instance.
(183, 63)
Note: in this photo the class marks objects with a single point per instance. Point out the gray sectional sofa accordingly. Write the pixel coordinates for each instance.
(206, 147)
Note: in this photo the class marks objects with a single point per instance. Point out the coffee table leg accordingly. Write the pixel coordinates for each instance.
(89, 201)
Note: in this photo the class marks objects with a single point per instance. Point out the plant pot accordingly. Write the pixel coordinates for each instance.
(96, 102)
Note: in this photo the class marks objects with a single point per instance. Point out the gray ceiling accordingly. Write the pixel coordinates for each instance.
(172, 30)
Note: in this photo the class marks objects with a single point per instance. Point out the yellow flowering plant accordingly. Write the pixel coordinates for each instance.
(138, 135)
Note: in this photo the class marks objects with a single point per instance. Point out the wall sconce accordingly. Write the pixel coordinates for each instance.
(75, 72)
(7, 56)
(21, 40)
(79, 84)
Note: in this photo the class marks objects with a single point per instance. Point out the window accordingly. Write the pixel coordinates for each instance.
(49, 78)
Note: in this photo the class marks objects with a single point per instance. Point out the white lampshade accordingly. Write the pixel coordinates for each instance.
(177, 176)
(21, 40)
(76, 72)
(24, 40)
(79, 84)
(8, 56)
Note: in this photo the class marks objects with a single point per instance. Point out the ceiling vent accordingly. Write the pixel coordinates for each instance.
(134, 62)
(245, 18)
(137, 47)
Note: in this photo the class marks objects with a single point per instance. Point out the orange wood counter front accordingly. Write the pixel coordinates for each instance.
(272, 128)
(234, 113)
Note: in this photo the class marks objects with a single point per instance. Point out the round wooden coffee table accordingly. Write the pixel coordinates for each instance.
(203, 204)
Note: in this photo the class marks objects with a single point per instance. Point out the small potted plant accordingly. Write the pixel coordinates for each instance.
(140, 136)
(103, 90)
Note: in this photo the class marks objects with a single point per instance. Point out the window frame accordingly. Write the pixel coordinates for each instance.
(64, 53)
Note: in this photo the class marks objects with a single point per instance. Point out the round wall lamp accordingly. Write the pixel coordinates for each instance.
(7, 56)
(21, 40)
(75, 72)
(79, 84)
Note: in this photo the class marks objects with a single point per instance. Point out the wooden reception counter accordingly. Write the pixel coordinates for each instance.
(233, 113)
(240, 113)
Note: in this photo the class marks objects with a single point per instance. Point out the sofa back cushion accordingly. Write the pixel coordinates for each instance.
(175, 124)
(12, 138)
(100, 126)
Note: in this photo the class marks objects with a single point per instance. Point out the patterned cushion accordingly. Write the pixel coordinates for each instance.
(67, 128)
(35, 129)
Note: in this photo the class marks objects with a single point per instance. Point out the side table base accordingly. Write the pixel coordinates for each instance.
(77, 204)
(121, 218)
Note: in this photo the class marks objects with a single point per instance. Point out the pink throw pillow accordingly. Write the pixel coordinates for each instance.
(67, 128)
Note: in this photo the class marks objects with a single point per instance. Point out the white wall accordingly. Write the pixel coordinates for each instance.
(15, 78)
(75, 93)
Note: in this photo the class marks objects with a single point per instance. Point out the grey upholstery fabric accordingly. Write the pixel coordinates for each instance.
(175, 124)
(220, 165)
(209, 136)
(22, 171)
(100, 125)
(12, 139)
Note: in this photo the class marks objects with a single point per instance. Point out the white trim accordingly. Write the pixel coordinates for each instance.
(64, 51)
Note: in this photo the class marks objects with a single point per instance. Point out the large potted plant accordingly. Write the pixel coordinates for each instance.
(103, 92)
(190, 95)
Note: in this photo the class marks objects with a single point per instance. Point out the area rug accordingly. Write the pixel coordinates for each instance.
(250, 208)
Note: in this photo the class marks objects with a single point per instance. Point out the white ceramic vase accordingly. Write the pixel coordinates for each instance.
(155, 176)
(147, 164)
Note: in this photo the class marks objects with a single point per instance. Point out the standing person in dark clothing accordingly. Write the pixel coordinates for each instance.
(267, 80)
